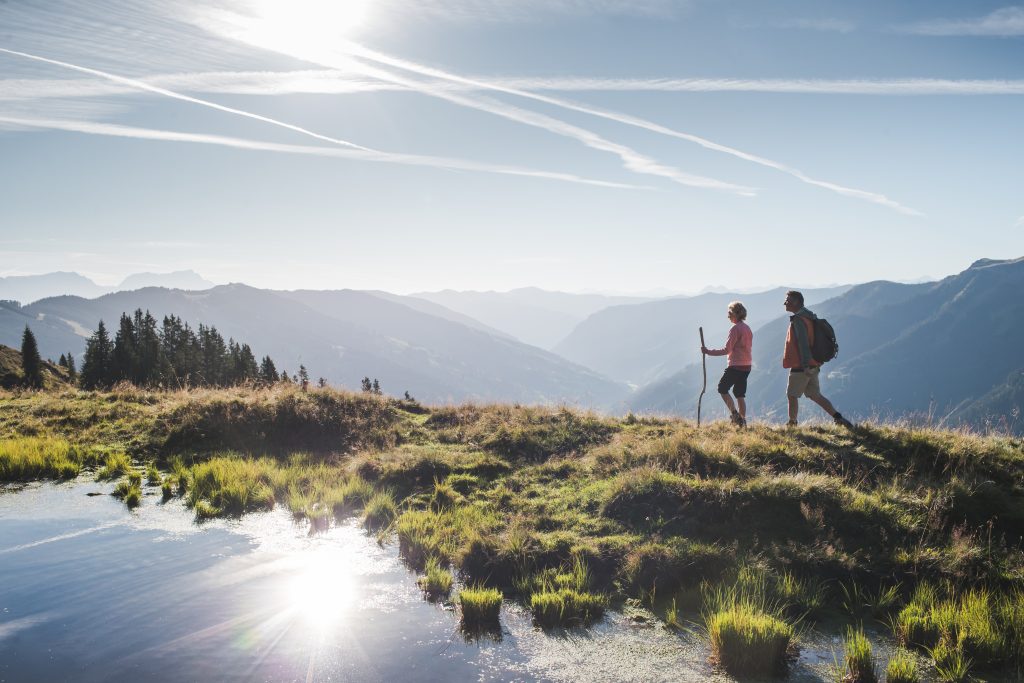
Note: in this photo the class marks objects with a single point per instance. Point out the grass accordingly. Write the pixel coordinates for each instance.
(902, 668)
(41, 457)
(747, 641)
(437, 581)
(566, 607)
(130, 490)
(859, 663)
(480, 607)
(117, 464)
(780, 525)
(380, 511)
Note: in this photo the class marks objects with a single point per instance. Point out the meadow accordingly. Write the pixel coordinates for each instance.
(751, 534)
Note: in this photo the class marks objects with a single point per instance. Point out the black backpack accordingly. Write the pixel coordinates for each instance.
(825, 347)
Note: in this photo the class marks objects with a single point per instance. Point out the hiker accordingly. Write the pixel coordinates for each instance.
(803, 369)
(738, 347)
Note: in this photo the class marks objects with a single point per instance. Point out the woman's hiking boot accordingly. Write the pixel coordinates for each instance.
(842, 421)
(737, 419)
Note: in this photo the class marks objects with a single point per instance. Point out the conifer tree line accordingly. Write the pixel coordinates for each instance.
(170, 354)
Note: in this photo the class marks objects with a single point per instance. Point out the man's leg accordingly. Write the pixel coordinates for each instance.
(794, 408)
(824, 403)
(814, 393)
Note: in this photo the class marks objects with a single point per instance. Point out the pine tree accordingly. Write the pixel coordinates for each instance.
(31, 363)
(376, 386)
(367, 385)
(62, 362)
(96, 371)
(124, 362)
(268, 373)
(149, 369)
(70, 365)
(321, 383)
(285, 377)
(303, 377)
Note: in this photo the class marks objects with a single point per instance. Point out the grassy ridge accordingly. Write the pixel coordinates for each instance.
(516, 497)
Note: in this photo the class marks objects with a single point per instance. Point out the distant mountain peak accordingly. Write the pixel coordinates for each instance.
(179, 279)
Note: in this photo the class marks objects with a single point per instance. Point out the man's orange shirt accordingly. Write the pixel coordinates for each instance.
(791, 354)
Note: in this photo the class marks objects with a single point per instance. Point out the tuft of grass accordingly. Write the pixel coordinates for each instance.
(117, 464)
(437, 582)
(481, 607)
(566, 607)
(902, 668)
(130, 490)
(167, 488)
(444, 497)
(747, 641)
(380, 511)
(859, 663)
(153, 477)
(951, 664)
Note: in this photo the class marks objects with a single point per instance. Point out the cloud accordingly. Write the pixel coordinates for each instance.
(131, 82)
(238, 27)
(1008, 21)
(114, 130)
(829, 25)
(629, 120)
(334, 82)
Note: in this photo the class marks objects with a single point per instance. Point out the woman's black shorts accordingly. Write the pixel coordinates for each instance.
(734, 379)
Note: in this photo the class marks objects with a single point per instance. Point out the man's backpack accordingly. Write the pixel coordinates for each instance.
(825, 347)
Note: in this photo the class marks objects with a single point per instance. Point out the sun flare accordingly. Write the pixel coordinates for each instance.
(321, 590)
(307, 23)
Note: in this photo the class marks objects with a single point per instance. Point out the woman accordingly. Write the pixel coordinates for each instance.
(739, 349)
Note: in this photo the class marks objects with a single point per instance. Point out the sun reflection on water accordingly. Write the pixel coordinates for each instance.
(322, 588)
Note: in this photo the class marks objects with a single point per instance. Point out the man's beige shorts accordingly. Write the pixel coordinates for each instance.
(804, 384)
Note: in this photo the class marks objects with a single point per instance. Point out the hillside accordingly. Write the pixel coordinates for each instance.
(928, 350)
(54, 377)
(343, 336)
(645, 342)
(518, 496)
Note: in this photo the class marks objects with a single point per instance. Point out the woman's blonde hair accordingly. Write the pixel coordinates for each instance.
(738, 310)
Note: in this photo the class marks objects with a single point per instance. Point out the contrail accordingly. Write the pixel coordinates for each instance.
(334, 82)
(232, 26)
(380, 58)
(141, 85)
(115, 130)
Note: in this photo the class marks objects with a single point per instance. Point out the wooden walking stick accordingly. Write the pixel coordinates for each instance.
(704, 363)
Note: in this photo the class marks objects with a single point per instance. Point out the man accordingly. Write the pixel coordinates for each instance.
(803, 369)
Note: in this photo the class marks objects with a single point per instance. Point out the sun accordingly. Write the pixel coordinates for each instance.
(306, 23)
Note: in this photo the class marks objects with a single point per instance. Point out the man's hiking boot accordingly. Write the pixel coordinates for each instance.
(737, 419)
(842, 421)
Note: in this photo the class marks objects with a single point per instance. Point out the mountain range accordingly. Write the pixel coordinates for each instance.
(948, 352)
(341, 336)
(28, 288)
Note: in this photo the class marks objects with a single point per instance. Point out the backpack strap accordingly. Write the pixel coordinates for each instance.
(803, 342)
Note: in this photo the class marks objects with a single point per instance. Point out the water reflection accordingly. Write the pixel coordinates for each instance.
(92, 592)
(321, 589)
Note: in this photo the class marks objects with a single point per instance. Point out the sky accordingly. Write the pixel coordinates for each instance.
(574, 145)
